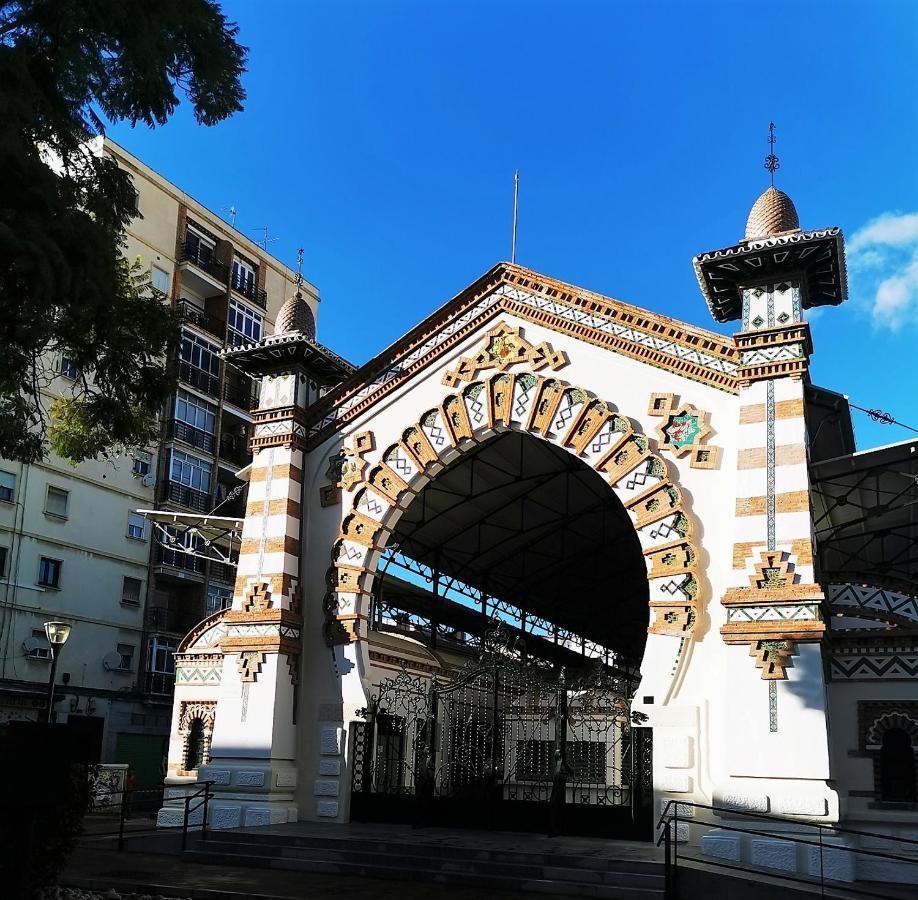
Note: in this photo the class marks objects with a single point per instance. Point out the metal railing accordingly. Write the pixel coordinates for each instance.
(235, 450)
(113, 811)
(178, 559)
(160, 683)
(191, 313)
(197, 437)
(816, 837)
(198, 378)
(247, 288)
(243, 397)
(203, 257)
(186, 496)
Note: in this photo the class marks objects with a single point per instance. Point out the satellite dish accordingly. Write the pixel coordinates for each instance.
(148, 480)
(111, 661)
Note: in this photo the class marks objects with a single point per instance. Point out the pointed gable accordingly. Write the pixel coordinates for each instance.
(657, 340)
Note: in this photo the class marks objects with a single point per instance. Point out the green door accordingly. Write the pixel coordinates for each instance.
(145, 754)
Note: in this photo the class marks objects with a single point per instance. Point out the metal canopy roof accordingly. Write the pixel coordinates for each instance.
(865, 508)
(529, 523)
(216, 538)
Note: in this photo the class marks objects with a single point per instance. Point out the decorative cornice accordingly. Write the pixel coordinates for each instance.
(659, 341)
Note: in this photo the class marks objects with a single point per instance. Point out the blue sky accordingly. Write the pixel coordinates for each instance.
(382, 137)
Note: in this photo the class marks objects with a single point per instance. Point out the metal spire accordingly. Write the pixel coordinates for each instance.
(516, 199)
(771, 161)
(298, 278)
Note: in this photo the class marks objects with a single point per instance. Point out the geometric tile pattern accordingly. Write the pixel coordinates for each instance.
(873, 603)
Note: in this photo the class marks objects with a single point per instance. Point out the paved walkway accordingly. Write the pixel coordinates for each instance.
(170, 876)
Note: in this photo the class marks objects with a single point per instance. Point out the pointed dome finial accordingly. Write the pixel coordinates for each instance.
(295, 316)
(774, 212)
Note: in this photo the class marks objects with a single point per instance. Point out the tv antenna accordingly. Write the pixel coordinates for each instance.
(264, 240)
(231, 212)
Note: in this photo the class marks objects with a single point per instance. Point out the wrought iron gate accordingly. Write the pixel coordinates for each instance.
(504, 744)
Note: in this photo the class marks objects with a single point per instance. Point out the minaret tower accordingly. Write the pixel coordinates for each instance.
(254, 746)
(773, 617)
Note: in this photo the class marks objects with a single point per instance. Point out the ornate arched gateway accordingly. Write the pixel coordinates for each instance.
(685, 536)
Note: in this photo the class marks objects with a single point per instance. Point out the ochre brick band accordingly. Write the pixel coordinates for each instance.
(792, 501)
(275, 507)
(785, 455)
(286, 544)
(784, 409)
(801, 552)
(283, 471)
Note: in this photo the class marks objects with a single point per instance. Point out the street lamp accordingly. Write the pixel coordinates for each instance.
(57, 633)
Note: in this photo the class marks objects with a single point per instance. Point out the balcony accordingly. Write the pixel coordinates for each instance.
(190, 498)
(247, 289)
(182, 431)
(198, 378)
(162, 683)
(241, 396)
(201, 270)
(234, 450)
(221, 572)
(196, 316)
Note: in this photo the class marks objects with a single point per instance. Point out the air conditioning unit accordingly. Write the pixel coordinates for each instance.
(111, 662)
(36, 648)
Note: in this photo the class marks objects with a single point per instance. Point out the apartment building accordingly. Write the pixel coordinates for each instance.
(72, 546)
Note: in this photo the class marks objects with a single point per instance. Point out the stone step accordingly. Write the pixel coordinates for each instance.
(458, 874)
(428, 849)
(549, 870)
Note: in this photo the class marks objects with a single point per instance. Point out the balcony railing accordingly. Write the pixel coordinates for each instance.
(186, 496)
(247, 288)
(222, 572)
(182, 431)
(235, 450)
(166, 556)
(198, 378)
(191, 313)
(242, 397)
(159, 683)
(203, 257)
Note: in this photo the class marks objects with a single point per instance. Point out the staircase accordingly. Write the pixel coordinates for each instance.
(485, 861)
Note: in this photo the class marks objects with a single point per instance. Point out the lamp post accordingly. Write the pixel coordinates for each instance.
(57, 633)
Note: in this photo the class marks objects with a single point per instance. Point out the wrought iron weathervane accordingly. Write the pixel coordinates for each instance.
(772, 164)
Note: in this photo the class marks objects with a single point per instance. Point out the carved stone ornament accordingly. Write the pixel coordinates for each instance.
(503, 347)
(684, 429)
(346, 468)
(249, 665)
(773, 657)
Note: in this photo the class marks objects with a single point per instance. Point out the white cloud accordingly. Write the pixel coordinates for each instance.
(883, 259)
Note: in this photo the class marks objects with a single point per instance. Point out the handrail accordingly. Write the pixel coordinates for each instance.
(772, 818)
(205, 803)
(668, 824)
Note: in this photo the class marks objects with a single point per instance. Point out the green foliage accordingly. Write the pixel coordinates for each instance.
(64, 285)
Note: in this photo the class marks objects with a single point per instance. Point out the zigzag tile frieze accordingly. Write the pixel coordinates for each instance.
(898, 666)
(873, 603)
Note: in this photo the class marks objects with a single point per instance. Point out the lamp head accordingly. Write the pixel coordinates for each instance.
(57, 633)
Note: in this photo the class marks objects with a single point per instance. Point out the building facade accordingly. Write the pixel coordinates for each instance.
(611, 486)
(72, 545)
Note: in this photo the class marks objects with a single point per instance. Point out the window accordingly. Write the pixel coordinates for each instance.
(197, 413)
(195, 746)
(56, 502)
(43, 650)
(218, 598)
(159, 280)
(190, 471)
(141, 466)
(7, 486)
(69, 369)
(897, 767)
(130, 591)
(49, 572)
(137, 527)
(161, 659)
(199, 353)
(4, 554)
(243, 277)
(198, 246)
(244, 321)
(135, 209)
(127, 657)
